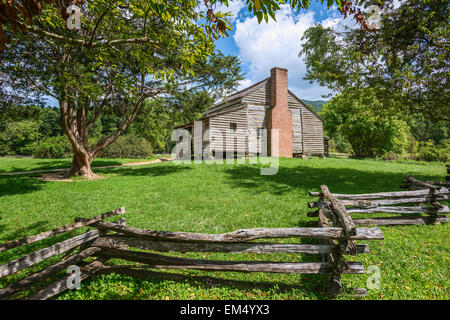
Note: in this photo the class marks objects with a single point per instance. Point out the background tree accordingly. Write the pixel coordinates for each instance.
(181, 105)
(159, 116)
(425, 130)
(361, 118)
(406, 60)
(19, 136)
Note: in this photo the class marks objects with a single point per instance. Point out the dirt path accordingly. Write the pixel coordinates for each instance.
(130, 164)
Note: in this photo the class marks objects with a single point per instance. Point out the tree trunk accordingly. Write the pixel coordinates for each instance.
(81, 165)
(76, 125)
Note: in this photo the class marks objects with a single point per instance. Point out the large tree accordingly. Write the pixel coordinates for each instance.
(406, 60)
(120, 57)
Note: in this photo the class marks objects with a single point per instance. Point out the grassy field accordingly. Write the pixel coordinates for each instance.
(29, 164)
(414, 260)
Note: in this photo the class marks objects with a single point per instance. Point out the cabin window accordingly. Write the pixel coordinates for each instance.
(260, 132)
(233, 127)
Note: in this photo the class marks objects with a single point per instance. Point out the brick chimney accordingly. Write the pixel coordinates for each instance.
(279, 117)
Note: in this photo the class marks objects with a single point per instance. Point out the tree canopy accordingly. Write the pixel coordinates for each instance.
(406, 60)
(18, 15)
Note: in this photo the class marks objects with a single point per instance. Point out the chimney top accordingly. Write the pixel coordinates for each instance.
(279, 68)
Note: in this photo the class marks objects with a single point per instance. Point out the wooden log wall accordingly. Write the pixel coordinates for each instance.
(256, 119)
(297, 130)
(307, 126)
(260, 95)
(206, 140)
(312, 132)
(201, 138)
(222, 139)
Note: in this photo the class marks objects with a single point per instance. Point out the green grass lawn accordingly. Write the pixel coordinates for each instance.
(216, 198)
(30, 164)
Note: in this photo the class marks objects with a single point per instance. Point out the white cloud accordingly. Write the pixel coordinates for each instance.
(396, 4)
(339, 23)
(234, 7)
(244, 84)
(277, 44)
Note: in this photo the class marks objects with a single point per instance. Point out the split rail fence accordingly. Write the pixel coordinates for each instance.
(412, 183)
(111, 240)
(415, 207)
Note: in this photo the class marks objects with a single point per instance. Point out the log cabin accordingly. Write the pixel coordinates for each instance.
(252, 114)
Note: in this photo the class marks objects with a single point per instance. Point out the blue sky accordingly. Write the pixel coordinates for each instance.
(261, 47)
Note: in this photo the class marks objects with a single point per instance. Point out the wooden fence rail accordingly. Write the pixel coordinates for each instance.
(412, 183)
(112, 240)
(411, 205)
(70, 227)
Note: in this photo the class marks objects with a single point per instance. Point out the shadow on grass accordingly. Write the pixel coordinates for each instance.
(305, 179)
(21, 233)
(31, 229)
(59, 164)
(313, 286)
(11, 185)
(152, 170)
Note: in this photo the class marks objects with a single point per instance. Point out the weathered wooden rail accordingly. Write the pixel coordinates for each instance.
(411, 205)
(412, 183)
(111, 240)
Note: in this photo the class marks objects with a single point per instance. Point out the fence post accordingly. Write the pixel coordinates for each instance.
(436, 206)
(340, 219)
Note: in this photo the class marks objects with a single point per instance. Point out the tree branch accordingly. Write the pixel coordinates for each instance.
(86, 43)
(104, 142)
(97, 24)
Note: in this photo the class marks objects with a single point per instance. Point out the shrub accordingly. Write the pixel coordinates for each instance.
(128, 146)
(413, 145)
(339, 144)
(18, 137)
(392, 156)
(430, 152)
(52, 147)
(359, 117)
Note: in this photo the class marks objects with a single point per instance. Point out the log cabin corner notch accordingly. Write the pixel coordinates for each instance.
(268, 104)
